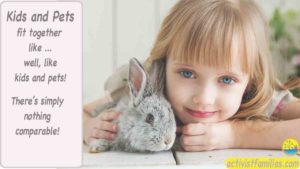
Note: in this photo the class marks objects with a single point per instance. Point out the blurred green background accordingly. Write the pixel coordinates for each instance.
(285, 41)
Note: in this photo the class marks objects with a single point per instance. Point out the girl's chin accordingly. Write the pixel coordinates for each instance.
(190, 119)
(204, 120)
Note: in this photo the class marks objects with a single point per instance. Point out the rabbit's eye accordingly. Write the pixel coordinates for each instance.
(150, 118)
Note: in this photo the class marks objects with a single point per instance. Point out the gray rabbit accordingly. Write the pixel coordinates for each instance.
(146, 122)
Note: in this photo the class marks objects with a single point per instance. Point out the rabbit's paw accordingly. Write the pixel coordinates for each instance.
(98, 146)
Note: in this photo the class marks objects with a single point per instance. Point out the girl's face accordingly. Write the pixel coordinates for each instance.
(199, 93)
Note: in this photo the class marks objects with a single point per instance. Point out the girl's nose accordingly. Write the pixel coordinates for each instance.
(205, 97)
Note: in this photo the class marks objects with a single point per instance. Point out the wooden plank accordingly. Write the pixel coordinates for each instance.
(218, 157)
(114, 158)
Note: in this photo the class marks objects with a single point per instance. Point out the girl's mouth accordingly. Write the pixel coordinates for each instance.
(200, 114)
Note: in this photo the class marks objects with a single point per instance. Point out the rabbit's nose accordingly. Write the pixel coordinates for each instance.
(167, 141)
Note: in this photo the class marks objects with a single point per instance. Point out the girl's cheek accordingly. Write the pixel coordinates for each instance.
(183, 87)
(231, 103)
(177, 91)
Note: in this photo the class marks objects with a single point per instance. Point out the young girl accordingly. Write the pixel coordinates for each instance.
(219, 79)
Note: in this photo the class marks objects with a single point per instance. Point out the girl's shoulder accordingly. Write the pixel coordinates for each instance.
(279, 100)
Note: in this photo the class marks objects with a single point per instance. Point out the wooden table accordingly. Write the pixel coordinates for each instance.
(169, 159)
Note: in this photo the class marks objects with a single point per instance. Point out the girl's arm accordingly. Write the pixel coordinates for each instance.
(265, 135)
(243, 134)
(87, 109)
(100, 126)
(270, 135)
(238, 134)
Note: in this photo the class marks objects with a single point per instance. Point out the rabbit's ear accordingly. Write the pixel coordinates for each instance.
(137, 80)
(157, 74)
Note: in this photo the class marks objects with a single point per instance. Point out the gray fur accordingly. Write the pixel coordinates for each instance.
(145, 96)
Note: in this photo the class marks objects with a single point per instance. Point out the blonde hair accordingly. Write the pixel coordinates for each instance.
(211, 31)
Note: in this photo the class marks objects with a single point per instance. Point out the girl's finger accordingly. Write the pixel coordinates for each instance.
(100, 134)
(104, 125)
(199, 140)
(197, 148)
(109, 115)
(89, 140)
(194, 129)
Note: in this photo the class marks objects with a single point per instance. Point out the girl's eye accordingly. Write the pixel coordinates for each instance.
(227, 80)
(187, 74)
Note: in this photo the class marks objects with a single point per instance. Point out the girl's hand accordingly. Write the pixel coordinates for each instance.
(207, 136)
(101, 127)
